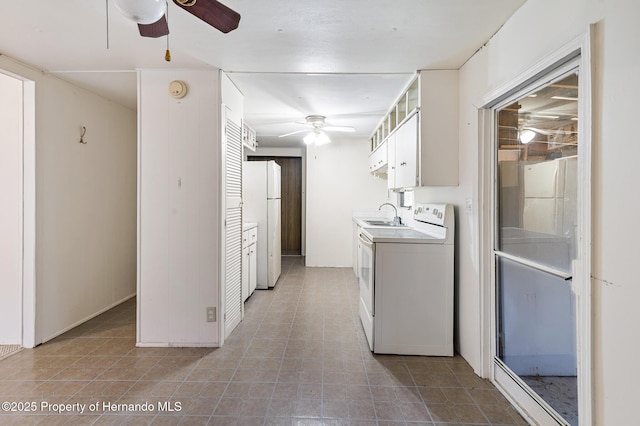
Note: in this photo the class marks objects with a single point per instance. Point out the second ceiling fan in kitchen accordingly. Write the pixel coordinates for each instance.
(316, 128)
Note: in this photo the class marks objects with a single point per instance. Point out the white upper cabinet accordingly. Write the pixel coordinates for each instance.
(378, 159)
(424, 125)
(406, 155)
(391, 161)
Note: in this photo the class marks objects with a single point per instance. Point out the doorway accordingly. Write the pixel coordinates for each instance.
(11, 212)
(291, 193)
(537, 235)
(17, 216)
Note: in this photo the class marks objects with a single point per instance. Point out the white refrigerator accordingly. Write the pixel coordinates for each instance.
(261, 204)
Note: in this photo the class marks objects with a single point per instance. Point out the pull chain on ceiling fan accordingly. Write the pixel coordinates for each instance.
(151, 15)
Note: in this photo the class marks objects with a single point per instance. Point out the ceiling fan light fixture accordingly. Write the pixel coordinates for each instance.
(317, 137)
(142, 11)
(526, 136)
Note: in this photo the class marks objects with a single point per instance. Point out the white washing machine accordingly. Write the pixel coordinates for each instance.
(407, 308)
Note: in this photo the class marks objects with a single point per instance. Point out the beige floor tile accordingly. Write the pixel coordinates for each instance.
(299, 357)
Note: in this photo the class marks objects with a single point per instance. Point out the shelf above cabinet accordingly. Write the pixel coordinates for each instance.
(249, 137)
(432, 98)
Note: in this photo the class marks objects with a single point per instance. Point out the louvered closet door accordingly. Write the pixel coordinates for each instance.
(233, 228)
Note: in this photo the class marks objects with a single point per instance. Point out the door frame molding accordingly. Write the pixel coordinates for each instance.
(29, 331)
(582, 48)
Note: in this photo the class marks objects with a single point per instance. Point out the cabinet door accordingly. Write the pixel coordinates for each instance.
(245, 273)
(406, 160)
(253, 273)
(391, 161)
(378, 158)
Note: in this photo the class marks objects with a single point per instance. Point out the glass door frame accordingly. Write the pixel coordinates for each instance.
(574, 55)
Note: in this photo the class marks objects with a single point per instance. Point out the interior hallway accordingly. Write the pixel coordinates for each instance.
(299, 358)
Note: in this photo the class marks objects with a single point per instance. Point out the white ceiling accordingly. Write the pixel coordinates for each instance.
(347, 60)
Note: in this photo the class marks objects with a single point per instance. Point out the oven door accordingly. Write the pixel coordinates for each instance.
(366, 259)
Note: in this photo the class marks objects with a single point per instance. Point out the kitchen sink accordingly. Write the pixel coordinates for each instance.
(384, 223)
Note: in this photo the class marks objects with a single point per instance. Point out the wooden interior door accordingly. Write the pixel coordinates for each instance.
(291, 193)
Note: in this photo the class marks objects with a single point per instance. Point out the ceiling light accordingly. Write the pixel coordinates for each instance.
(526, 136)
(564, 98)
(317, 137)
(142, 11)
(551, 117)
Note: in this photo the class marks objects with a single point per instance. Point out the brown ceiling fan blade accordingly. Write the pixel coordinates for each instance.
(157, 29)
(214, 13)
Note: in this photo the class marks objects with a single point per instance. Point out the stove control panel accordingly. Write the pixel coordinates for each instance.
(431, 213)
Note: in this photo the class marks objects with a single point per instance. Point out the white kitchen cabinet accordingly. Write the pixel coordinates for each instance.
(253, 265)
(426, 135)
(378, 159)
(406, 154)
(245, 268)
(249, 261)
(391, 161)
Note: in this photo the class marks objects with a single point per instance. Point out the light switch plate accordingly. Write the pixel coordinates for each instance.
(468, 206)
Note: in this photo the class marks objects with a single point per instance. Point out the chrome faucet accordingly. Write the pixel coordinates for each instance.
(396, 219)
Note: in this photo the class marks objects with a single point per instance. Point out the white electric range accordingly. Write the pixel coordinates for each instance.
(406, 284)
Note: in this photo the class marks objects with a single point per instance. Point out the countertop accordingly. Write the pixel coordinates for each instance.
(408, 235)
(393, 234)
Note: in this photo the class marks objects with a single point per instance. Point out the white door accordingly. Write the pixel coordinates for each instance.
(233, 307)
(11, 213)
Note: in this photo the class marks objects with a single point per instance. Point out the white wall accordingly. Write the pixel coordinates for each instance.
(338, 182)
(85, 202)
(11, 211)
(616, 229)
(179, 208)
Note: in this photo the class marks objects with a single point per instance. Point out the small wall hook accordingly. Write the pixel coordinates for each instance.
(82, 133)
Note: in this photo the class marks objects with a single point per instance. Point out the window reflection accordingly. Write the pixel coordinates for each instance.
(537, 173)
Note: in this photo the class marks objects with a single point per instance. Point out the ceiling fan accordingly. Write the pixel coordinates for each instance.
(152, 19)
(318, 124)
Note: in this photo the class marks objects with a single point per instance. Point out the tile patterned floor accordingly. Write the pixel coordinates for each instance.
(298, 358)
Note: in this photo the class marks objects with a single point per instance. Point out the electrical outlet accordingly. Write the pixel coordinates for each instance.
(211, 314)
(468, 206)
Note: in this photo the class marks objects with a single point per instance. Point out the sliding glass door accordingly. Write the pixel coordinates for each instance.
(536, 221)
